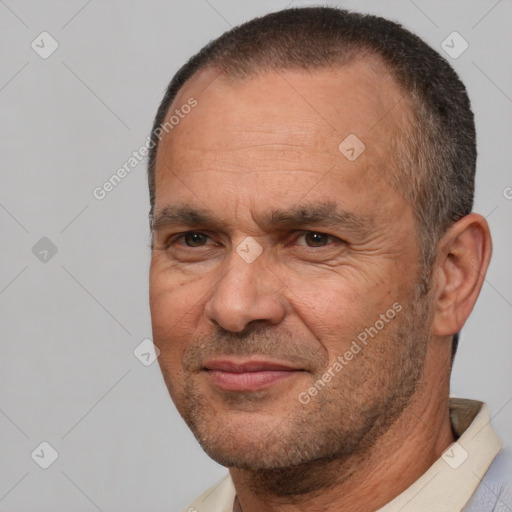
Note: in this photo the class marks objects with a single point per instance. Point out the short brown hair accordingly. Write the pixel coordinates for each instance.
(438, 158)
(437, 155)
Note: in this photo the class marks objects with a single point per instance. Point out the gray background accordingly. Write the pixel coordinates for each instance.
(70, 323)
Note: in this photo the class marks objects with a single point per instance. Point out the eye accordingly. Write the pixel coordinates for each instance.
(194, 239)
(192, 247)
(315, 239)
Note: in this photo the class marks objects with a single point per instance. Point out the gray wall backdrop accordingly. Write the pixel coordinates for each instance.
(74, 269)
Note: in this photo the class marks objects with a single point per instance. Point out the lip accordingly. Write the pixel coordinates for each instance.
(234, 374)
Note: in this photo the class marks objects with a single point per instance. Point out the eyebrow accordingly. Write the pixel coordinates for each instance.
(181, 214)
(327, 214)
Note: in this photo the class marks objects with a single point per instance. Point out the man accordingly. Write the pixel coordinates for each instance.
(314, 257)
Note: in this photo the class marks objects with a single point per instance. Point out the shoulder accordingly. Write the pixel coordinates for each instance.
(494, 492)
(218, 498)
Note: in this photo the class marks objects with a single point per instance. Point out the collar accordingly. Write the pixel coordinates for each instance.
(451, 481)
(445, 487)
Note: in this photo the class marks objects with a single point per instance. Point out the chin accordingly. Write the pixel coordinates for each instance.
(248, 455)
(245, 440)
(260, 443)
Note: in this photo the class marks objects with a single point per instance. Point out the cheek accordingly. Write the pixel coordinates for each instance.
(175, 306)
(172, 327)
(328, 306)
(171, 289)
(336, 309)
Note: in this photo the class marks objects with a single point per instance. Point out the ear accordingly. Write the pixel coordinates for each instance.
(463, 256)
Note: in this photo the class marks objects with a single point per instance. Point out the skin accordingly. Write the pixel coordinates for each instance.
(269, 143)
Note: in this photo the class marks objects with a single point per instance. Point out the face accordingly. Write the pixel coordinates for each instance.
(284, 271)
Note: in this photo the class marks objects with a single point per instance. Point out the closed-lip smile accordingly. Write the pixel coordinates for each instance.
(248, 374)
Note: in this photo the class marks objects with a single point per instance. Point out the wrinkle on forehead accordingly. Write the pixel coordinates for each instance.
(287, 123)
(355, 98)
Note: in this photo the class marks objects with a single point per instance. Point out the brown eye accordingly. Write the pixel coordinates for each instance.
(194, 239)
(314, 239)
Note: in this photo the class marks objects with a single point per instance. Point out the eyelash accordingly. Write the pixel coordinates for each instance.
(182, 236)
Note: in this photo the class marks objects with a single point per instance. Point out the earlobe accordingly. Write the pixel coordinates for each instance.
(463, 256)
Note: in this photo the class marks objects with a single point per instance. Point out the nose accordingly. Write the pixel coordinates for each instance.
(246, 293)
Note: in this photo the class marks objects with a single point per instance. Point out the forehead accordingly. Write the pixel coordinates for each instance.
(365, 81)
(292, 125)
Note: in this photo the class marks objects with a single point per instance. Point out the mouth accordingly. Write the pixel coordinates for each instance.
(243, 374)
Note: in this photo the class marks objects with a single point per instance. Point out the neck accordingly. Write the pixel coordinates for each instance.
(366, 480)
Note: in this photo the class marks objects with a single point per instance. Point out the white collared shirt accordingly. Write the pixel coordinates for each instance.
(447, 486)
